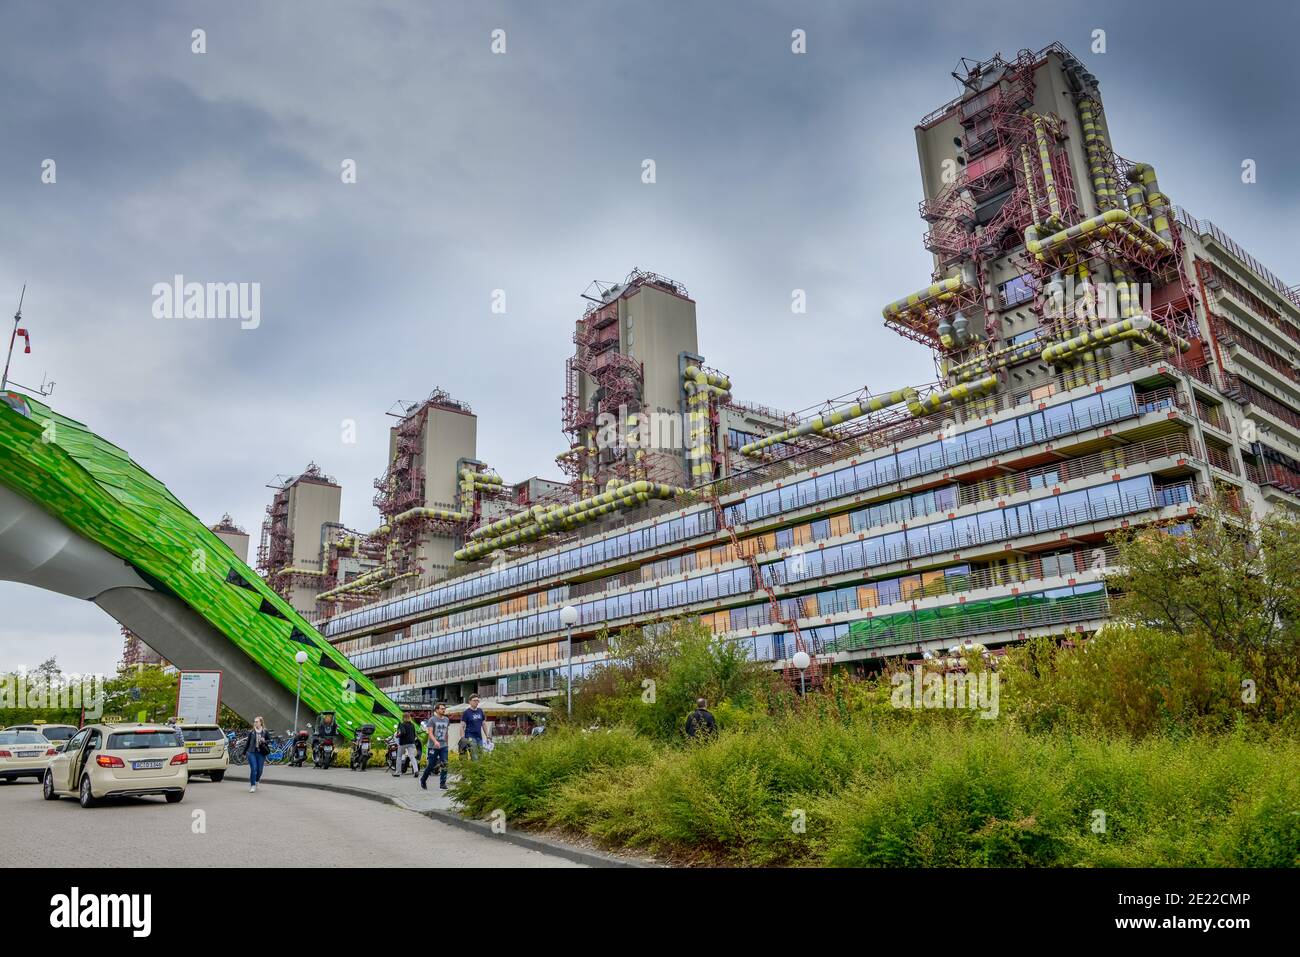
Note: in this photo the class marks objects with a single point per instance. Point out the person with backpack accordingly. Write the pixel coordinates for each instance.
(406, 746)
(256, 747)
(700, 722)
(438, 727)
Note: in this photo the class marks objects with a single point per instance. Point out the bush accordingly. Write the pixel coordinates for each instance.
(655, 675)
(1132, 680)
(517, 779)
(864, 792)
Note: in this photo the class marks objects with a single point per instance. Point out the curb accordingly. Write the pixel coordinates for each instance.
(543, 844)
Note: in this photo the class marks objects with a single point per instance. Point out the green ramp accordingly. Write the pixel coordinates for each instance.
(78, 516)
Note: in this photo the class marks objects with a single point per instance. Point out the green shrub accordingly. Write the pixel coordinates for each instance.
(517, 779)
(818, 790)
(1131, 680)
(656, 674)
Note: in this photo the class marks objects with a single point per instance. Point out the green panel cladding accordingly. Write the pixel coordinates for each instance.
(95, 489)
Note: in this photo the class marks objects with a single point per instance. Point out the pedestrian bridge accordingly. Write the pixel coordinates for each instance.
(79, 517)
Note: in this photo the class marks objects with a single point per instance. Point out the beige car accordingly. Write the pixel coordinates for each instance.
(206, 746)
(119, 760)
(24, 754)
(59, 734)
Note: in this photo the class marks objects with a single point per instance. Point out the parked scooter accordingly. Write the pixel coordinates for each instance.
(361, 747)
(298, 750)
(390, 757)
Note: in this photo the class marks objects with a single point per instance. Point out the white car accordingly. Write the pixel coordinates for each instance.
(24, 754)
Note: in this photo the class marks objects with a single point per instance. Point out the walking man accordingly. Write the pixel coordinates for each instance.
(437, 726)
(700, 722)
(406, 739)
(473, 723)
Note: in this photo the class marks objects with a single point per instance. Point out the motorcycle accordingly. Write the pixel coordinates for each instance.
(390, 757)
(298, 750)
(323, 753)
(361, 747)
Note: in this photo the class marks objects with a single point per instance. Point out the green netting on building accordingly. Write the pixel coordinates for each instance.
(986, 616)
(95, 489)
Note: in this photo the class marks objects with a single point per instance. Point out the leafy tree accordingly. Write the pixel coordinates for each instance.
(135, 689)
(1230, 580)
(656, 673)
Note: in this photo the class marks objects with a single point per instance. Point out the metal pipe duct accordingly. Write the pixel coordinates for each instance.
(701, 388)
(558, 518)
(945, 398)
(998, 359)
(1157, 202)
(821, 423)
(1111, 222)
(1095, 146)
(920, 302)
(1138, 327)
(1045, 160)
(1030, 188)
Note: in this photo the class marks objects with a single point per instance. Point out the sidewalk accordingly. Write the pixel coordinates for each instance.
(377, 784)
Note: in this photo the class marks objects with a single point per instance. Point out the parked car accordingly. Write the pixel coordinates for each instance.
(59, 734)
(206, 746)
(24, 754)
(119, 760)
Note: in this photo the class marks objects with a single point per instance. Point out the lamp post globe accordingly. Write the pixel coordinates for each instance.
(801, 661)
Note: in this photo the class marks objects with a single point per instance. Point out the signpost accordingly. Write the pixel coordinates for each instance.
(198, 697)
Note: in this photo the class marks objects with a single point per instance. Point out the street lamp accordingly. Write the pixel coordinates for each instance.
(801, 661)
(569, 618)
(301, 658)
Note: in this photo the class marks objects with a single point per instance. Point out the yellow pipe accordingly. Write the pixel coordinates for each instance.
(567, 516)
(697, 375)
(1156, 201)
(1113, 221)
(1000, 359)
(931, 295)
(944, 398)
(1045, 159)
(1029, 183)
(1137, 327)
(1094, 144)
(821, 423)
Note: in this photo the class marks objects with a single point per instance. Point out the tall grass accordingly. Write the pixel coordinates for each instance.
(813, 790)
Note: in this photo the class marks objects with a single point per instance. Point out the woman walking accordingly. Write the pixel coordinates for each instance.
(256, 749)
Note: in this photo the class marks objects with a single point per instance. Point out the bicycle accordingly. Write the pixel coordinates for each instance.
(235, 744)
(281, 748)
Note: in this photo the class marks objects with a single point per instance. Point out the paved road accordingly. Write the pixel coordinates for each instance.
(276, 827)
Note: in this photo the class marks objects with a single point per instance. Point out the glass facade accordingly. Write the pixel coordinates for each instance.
(1022, 431)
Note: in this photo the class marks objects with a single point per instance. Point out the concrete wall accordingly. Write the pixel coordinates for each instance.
(238, 543)
(311, 505)
(448, 437)
(656, 327)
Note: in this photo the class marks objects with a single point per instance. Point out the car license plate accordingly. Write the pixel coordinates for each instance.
(146, 765)
(29, 754)
(199, 749)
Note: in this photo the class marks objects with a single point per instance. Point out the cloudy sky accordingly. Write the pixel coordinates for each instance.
(520, 171)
